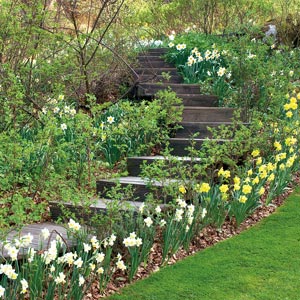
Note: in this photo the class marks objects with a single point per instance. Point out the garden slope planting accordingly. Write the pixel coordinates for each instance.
(260, 263)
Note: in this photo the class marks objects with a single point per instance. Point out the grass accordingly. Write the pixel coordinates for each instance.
(260, 263)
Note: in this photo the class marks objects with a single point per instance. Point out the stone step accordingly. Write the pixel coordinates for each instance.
(190, 128)
(198, 100)
(155, 64)
(160, 51)
(160, 78)
(179, 88)
(149, 58)
(82, 212)
(134, 164)
(207, 114)
(156, 71)
(140, 187)
(179, 145)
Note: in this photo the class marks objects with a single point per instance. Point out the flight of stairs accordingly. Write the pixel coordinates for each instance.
(199, 112)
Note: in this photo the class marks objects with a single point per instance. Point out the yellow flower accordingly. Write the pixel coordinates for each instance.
(221, 172)
(287, 106)
(226, 174)
(250, 172)
(247, 189)
(293, 100)
(271, 177)
(277, 146)
(224, 188)
(294, 106)
(255, 180)
(281, 166)
(259, 161)
(236, 180)
(263, 174)
(289, 114)
(255, 152)
(182, 189)
(298, 96)
(242, 199)
(261, 191)
(236, 187)
(262, 168)
(290, 161)
(270, 166)
(290, 141)
(204, 187)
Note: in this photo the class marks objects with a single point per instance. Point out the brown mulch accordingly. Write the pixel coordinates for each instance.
(208, 237)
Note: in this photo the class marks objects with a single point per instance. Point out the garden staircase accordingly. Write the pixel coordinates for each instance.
(199, 112)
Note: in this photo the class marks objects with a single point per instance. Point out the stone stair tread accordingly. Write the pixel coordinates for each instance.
(181, 139)
(156, 157)
(135, 180)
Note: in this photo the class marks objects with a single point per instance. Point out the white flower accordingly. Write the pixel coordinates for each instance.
(120, 265)
(60, 278)
(100, 257)
(8, 270)
(100, 270)
(81, 280)
(110, 119)
(158, 43)
(2, 291)
(181, 203)
(13, 253)
(221, 72)
(56, 110)
(73, 225)
(138, 242)
(45, 233)
(142, 207)
(24, 284)
(148, 221)
(171, 45)
(72, 112)
(171, 37)
(178, 214)
(208, 73)
(291, 73)
(63, 126)
(52, 269)
(26, 240)
(112, 240)
(158, 209)
(31, 252)
(228, 75)
(95, 243)
(162, 223)
(78, 262)
(61, 97)
(44, 110)
(87, 247)
(204, 212)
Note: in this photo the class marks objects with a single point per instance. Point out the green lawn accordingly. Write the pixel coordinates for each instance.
(261, 263)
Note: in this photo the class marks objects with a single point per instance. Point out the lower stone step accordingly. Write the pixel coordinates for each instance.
(57, 209)
(179, 88)
(207, 114)
(156, 71)
(154, 64)
(160, 78)
(201, 128)
(198, 100)
(135, 163)
(179, 146)
(140, 188)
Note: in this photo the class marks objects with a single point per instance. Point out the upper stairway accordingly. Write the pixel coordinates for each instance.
(200, 111)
